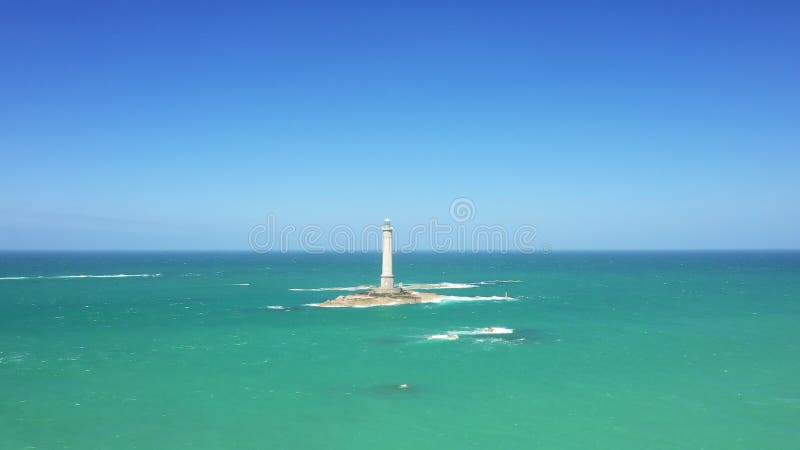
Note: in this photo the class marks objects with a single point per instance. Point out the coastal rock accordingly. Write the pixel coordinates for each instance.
(376, 297)
(396, 296)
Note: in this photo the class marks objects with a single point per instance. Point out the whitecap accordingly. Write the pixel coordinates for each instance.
(458, 298)
(485, 330)
(320, 305)
(443, 337)
(345, 288)
(119, 275)
(442, 285)
(72, 277)
(436, 299)
(413, 286)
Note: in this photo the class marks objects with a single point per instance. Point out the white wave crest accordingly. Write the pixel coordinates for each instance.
(72, 277)
(443, 285)
(454, 335)
(443, 337)
(485, 330)
(412, 286)
(458, 298)
(320, 305)
(240, 284)
(345, 288)
(435, 299)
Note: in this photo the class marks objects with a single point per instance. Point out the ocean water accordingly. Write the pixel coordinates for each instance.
(627, 350)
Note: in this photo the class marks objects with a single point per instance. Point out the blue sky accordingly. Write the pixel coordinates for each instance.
(641, 125)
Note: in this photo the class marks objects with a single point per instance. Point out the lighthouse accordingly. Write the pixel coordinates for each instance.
(387, 277)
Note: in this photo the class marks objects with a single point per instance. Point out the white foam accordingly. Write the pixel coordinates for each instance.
(458, 298)
(320, 305)
(443, 285)
(72, 277)
(485, 330)
(458, 285)
(413, 286)
(439, 299)
(275, 307)
(443, 337)
(240, 284)
(119, 275)
(12, 358)
(345, 288)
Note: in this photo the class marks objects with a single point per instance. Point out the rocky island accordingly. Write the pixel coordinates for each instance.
(377, 298)
(387, 294)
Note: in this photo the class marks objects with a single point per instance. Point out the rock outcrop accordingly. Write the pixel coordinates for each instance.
(377, 298)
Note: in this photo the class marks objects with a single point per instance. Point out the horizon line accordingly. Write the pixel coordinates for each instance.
(377, 251)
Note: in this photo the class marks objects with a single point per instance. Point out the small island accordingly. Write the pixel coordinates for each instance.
(375, 297)
(387, 294)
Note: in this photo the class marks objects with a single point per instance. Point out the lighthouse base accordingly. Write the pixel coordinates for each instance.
(387, 291)
(387, 283)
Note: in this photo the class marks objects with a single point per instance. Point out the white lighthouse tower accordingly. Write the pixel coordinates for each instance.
(387, 277)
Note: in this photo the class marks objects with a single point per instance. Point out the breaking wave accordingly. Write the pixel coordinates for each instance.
(71, 277)
(442, 337)
(485, 330)
(444, 285)
(454, 335)
(413, 286)
(345, 288)
(435, 300)
(458, 298)
(320, 305)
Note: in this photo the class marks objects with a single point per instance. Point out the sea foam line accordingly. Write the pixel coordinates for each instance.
(72, 277)
(454, 335)
(443, 285)
(484, 330)
(436, 300)
(412, 286)
(345, 288)
(320, 305)
(457, 298)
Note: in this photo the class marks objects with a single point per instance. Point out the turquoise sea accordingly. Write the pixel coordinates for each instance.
(610, 350)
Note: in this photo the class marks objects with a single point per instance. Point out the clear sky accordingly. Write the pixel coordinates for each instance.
(641, 125)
